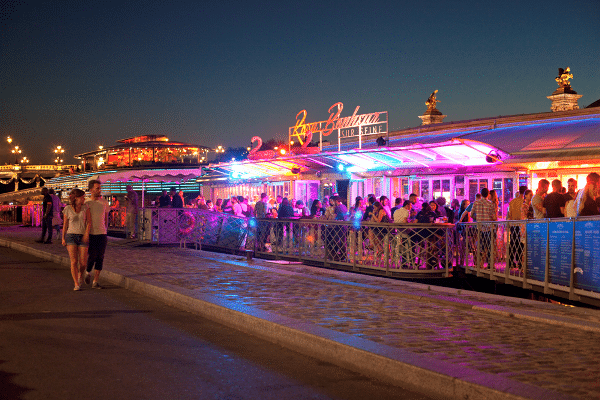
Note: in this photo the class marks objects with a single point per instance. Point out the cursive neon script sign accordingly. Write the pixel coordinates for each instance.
(347, 127)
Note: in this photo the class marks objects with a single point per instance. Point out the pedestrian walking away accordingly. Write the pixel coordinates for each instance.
(97, 213)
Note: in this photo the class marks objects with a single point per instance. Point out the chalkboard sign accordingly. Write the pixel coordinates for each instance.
(560, 242)
(587, 255)
(537, 243)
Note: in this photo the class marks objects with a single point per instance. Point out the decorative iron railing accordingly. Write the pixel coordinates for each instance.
(391, 249)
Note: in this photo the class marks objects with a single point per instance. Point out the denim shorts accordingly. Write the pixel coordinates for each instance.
(75, 239)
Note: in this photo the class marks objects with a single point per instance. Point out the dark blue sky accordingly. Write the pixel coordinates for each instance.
(85, 73)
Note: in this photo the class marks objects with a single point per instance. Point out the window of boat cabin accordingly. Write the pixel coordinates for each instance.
(425, 190)
(441, 188)
(475, 186)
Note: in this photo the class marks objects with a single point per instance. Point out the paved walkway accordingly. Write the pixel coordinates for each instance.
(484, 344)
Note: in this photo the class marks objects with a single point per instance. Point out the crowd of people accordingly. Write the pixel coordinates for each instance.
(561, 202)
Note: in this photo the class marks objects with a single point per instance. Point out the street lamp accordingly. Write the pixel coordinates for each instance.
(59, 151)
(24, 160)
(16, 151)
(9, 140)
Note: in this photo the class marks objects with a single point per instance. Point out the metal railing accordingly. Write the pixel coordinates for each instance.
(117, 218)
(27, 215)
(390, 249)
(554, 256)
(199, 227)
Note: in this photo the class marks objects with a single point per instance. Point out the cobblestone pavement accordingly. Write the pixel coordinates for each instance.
(438, 322)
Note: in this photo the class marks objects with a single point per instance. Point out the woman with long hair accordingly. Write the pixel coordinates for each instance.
(358, 208)
(219, 205)
(76, 235)
(385, 204)
(461, 216)
(316, 208)
(527, 207)
(494, 199)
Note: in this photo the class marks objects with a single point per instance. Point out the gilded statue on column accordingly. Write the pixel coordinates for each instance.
(563, 77)
(431, 101)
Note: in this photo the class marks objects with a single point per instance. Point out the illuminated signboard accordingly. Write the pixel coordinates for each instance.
(346, 127)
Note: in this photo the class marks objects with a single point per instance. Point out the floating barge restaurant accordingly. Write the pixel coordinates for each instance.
(131, 161)
(454, 160)
(357, 155)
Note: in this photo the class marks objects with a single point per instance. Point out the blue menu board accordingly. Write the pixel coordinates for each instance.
(560, 240)
(537, 243)
(587, 255)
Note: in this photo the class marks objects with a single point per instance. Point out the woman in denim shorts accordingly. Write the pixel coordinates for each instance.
(76, 235)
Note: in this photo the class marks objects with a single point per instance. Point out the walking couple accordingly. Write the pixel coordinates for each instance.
(85, 234)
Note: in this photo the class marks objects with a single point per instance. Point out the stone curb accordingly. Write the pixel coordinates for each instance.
(396, 366)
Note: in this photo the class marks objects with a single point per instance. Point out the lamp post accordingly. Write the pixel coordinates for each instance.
(58, 151)
(16, 151)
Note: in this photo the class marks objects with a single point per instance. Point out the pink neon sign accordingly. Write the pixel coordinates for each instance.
(354, 125)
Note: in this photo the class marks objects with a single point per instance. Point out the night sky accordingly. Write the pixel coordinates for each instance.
(82, 74)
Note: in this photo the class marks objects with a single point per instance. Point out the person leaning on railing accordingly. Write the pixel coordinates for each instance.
(402, 214)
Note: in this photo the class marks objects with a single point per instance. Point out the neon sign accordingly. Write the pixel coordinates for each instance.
(346, 127)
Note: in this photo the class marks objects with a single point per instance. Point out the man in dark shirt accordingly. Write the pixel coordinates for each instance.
(554, 203)
(176, 201)
(165, 200)
(369, 210)
(572, 189)
(341, 212)
(46, 216)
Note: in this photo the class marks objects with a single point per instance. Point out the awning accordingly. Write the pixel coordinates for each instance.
(170, 175)
(448, 153)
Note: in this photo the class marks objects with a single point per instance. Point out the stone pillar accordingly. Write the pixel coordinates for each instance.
(564, 99)
(432, 117)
